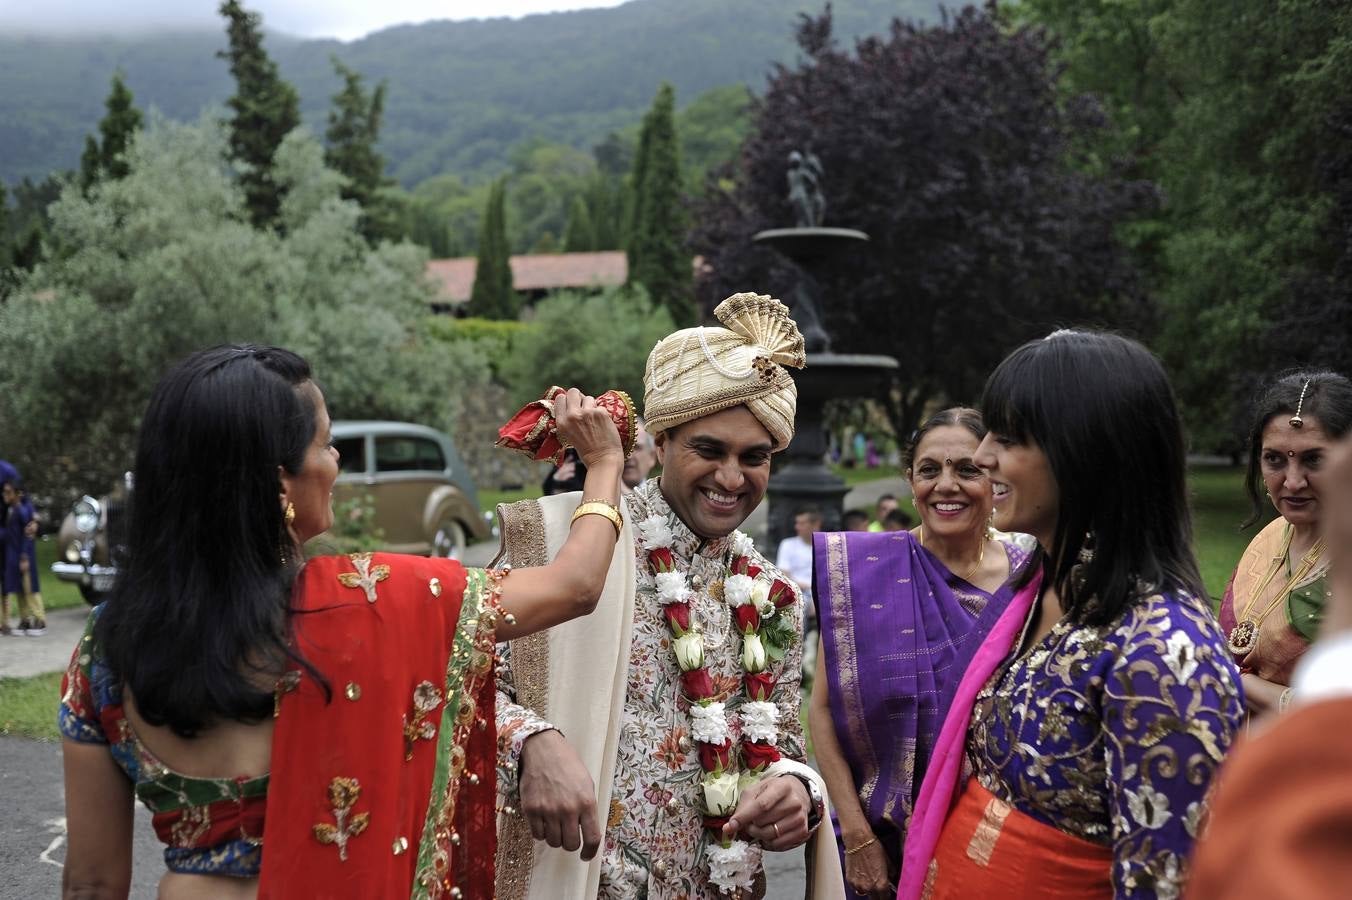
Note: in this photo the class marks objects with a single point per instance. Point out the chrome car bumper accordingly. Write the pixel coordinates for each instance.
(100, 578)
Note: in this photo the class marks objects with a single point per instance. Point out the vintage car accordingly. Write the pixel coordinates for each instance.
(423, 498)
(90, 540)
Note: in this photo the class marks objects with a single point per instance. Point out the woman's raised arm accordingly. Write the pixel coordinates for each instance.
(570, 585)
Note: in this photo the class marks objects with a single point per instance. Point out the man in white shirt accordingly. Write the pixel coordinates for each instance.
(795, 553)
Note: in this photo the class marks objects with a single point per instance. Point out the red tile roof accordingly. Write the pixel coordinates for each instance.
(535, 272)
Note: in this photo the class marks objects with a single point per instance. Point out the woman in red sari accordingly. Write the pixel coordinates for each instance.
(1275, 601)
(337, 714)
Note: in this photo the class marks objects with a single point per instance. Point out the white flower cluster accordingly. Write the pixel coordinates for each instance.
(760, 721)
(733, 867)
(671, 587)
(742, 545)
(654, 532)
(737, 589)
(709, 724)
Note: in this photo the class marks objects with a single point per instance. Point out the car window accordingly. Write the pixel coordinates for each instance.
(351, 454)
(408, 454)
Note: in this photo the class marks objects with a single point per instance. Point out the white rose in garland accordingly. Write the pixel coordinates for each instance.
(760, 595)
(721, 793)
(689, 651)
(753, 654)
(742, 545)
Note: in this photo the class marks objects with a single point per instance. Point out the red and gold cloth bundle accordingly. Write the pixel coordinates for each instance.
(532, 431)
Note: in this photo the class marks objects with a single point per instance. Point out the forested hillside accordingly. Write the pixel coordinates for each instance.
(460, 93)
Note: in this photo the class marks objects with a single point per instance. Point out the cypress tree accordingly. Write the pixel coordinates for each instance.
(578, 235)
(354, 128)
(120, 121)
(265, 109)
(658, 258)
(492, 296)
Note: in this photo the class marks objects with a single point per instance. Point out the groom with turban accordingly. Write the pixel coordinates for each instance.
(661, 735)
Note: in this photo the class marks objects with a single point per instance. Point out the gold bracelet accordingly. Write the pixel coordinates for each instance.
(586, 500)
(599, 508)
(868, 843)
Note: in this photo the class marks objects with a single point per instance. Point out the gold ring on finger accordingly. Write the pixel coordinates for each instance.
(775, 826)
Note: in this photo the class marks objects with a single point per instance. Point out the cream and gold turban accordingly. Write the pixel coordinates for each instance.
(700, 371)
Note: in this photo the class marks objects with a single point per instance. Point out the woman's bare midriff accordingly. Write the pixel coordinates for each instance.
(175, 886)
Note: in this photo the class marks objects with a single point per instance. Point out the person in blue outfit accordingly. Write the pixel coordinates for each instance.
(21, 562)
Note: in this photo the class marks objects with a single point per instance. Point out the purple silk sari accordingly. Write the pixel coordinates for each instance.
(898, 630)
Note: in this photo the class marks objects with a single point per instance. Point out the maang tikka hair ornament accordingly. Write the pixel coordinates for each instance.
(1296, 421)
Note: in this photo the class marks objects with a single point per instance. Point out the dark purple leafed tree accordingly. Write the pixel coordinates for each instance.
(952, 147)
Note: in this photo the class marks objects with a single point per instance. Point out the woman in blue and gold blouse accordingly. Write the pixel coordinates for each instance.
(1078, 754)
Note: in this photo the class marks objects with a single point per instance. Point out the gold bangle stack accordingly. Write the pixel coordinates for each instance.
(595, 507)
(851, 851)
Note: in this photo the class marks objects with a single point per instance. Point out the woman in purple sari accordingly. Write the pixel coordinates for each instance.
(901, 614)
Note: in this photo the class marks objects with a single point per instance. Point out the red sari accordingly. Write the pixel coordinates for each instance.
(387, 789)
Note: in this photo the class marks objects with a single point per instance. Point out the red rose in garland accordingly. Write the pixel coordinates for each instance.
(748, 619)
(678, 617)
(756, 755)
(758, 685)
(697, 684)
(716, 757)
(660, 559)
(781, 594)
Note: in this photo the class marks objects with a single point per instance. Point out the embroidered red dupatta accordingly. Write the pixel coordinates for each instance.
(388, 788)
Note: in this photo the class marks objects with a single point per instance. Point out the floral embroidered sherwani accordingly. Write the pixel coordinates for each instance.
(654, 843)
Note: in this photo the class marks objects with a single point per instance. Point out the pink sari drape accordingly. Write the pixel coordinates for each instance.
(941, 779)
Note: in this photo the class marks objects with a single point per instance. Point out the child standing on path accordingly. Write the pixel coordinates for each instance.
(21, 564)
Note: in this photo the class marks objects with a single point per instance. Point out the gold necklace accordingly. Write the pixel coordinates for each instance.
(980, 558)
(1243, 638)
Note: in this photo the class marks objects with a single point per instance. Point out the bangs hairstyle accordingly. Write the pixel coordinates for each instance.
(1100, 407)
(196, 625)
(962, 416)
(1327, 399)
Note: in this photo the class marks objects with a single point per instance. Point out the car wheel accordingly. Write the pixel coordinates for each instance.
(91, 596)
(449, 540)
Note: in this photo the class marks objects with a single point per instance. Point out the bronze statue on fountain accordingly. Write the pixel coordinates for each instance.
(805, 479)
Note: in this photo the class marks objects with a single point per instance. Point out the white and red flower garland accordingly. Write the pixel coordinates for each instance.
(728, 769)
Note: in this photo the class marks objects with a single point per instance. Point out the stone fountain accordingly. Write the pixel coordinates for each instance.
(804, 479)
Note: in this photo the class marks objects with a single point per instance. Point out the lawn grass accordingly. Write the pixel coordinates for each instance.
(1219, 505)
(28, 706)
(489, 500)
(857, 475)
(55, 594)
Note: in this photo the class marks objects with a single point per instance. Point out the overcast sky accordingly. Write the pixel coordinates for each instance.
(343, 19)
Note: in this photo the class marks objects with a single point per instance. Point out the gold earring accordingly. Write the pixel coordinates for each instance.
(290, 515)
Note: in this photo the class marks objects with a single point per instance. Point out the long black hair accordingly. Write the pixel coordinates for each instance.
(1327, 397)
(197, 620)
(1100, 407)
(963, 416)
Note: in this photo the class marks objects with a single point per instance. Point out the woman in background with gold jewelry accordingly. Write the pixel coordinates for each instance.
(901, 614)
(1275, 600)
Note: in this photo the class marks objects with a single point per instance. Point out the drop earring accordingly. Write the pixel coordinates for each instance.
(288, 517)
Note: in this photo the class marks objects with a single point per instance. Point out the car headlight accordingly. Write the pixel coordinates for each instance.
(86, 513)
(73, 552)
